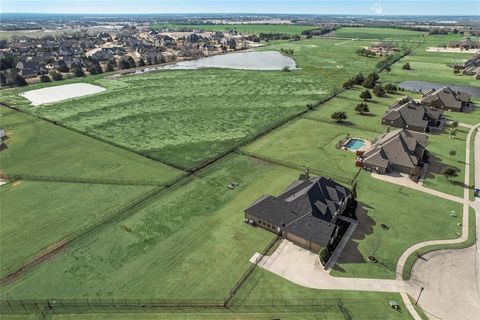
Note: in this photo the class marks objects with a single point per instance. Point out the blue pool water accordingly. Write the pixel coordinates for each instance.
(355, 144)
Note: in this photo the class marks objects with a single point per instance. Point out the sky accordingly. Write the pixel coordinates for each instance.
(359, 7)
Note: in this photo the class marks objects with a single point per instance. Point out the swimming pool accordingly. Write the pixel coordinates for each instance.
(355, 144)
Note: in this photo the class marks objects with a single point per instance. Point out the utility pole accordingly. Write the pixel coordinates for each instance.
(418, 298)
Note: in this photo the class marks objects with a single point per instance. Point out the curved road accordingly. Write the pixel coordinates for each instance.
(451, 277)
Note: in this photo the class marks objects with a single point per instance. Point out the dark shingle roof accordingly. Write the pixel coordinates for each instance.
(306, 208)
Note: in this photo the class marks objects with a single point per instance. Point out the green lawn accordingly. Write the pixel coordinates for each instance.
(467, 243)
(187, 117)
(191, 242)
(407, 213)
(471, 118)
(379, 34)
(263, 284)
(439, 147)
(311, 143)
(244, 28)
(36, 147)
(430, 66)
(37, 215)
(347, 100)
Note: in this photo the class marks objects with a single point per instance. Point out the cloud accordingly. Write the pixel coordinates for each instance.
(377, 8)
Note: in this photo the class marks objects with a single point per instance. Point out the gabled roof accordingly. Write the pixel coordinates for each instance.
(307, 208)
(447, 97)
(401, 147)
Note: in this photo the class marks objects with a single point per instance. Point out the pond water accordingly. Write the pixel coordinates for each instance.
(425, 85)
(263, 60)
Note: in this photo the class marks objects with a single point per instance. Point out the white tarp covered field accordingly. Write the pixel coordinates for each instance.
(60, 93)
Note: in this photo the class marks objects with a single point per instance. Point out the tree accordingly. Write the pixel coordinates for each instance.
(131, 61)
(379, 91)
(358, 79)
(371, 80)
(78, 72)
(109, 67)
(449, 172)
(406, 66)
(44, 78)
(141, 63)
(456, 71)
(348, 84)
(339, 116)
(20, 81)
(452, 153)
(390, 88)
(362, 108)
(388, 69)
(365, 95)
(62, 68)
(56, 76)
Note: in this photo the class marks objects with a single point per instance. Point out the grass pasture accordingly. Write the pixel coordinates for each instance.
(243, 28)
(384, 34)
(430, 66)
(187, 117)
(191, 242)
(41, 214)
(312, 144)
(36, 147)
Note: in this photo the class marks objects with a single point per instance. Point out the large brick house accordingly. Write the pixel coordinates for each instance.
(447, 99)
(408, 114)
(307, 212)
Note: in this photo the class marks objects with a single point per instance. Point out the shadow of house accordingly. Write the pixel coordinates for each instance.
(351, 253)
(436, 166)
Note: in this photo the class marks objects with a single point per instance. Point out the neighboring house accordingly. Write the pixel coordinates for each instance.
(383, 48)
(307, 213)
(28, 69)
(167, 41)
(414, 116)
(447, 99)
(400, 150)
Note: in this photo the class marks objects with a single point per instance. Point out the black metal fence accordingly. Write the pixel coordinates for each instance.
(315, 171)
(29, 177)
(231, 293)
(15, 268)
(46, 307)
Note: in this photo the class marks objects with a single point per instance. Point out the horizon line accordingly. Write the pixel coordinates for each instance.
(253, 13)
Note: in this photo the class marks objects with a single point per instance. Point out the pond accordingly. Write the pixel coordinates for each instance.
(263, 60)
(425, 85)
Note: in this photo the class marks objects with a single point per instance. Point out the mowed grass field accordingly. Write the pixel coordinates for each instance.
(359, 305)
(348, 100)
(407, 213)
(36, 147)
(191, 242)
(187, 117)
(439, 147)
(243, 28)
(431, 66)
(312, 144)
(384, 34)
(37, 215)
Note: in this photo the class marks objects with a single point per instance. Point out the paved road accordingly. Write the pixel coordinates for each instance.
(451, 277)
